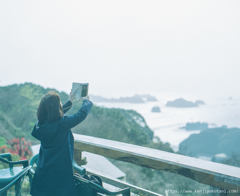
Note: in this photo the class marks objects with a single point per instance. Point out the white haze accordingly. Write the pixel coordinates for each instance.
(122, 47)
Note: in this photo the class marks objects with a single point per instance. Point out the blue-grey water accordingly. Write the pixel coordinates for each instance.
(217, 111)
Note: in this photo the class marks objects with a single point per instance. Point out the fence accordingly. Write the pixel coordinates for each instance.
(217, 175)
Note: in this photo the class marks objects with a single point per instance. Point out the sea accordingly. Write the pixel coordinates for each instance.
(217, 111)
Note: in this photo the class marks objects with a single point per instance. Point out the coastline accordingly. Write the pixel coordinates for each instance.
(166, 124)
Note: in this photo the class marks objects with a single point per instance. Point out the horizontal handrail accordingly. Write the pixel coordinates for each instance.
(120, 184)
(206, 172)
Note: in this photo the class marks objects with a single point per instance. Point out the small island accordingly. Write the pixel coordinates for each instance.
(199, 102)
(147, 97)
(156, 109)
(195, 126)
(212, 141)
(134, 99)
(182, 103)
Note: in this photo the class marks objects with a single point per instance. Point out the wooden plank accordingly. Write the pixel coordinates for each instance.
(120, 184)
(206, 172)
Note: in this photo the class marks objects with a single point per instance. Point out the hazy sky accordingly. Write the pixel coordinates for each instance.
(122, 47)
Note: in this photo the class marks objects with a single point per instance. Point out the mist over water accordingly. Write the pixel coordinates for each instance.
(217, 111)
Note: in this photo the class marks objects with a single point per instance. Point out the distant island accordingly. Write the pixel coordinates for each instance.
(156, 109)
(195, 126)
(134, 99)
(182, 103)
(211, 142)
(147, 97)
(199, 102)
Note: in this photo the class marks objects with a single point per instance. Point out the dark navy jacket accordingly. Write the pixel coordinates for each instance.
(54, 173)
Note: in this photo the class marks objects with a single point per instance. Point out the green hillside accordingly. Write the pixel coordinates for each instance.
(18, 107)
(212, 141)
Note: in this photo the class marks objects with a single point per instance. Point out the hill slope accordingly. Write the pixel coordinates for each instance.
(212, 141)
(18, 107)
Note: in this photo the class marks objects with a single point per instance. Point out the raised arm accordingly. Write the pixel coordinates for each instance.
(73, 120)
(66, 106)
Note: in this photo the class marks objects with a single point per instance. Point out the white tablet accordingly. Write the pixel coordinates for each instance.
(80, 89)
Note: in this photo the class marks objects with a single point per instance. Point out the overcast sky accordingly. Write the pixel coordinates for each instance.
(122, 47)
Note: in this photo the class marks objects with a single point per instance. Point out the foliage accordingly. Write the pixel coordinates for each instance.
(8, 130)
(2, 141)
(18, 107)
(115, 124)
(3, 149)
(233, 160)
(3, 145)
(20, 147)
(212, 141)
(160, 146)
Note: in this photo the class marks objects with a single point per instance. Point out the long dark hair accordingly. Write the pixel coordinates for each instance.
(50, 108)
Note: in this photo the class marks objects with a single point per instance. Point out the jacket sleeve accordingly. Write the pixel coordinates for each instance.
(73, 120)
(66, 106)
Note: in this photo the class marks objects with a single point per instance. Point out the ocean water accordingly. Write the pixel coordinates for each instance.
(217, 111)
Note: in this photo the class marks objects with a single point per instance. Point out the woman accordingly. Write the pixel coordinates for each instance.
(54, 173)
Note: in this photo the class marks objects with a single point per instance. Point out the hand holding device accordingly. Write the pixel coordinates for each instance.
(80, 90)
(71, 96)
(87, 97)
